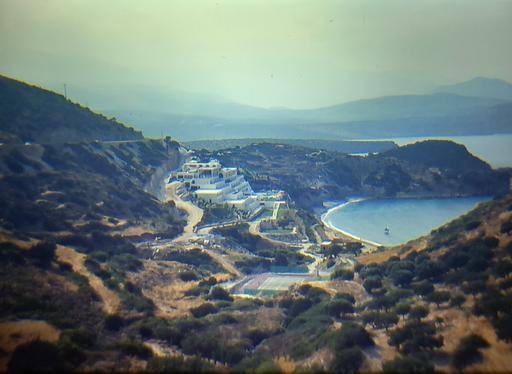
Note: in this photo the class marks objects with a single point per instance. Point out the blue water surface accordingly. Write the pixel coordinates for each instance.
(406, 218)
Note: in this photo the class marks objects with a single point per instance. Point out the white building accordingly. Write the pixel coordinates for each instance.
(211, 182)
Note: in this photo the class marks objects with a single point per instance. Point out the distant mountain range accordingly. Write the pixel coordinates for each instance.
(481, 87)
(476, 107)
(479, 106)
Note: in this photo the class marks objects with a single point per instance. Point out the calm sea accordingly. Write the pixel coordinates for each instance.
(406, 218)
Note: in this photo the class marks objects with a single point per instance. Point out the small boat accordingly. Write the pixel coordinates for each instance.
(386, 230)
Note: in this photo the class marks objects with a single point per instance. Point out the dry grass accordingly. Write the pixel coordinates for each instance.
(110, 300)
(135, 231)
(160, 283)
(460, 323)
(417, 245)
(6, 236)
(13, 334)
(380, 353)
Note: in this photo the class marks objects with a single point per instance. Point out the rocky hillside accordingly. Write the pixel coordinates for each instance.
(84, 187)
(445, 300)
(35, 115)
(432, 168)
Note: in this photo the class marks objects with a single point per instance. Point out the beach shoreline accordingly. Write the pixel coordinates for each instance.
(343, 232)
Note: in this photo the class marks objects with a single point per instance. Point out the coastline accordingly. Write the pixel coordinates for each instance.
(346, 233)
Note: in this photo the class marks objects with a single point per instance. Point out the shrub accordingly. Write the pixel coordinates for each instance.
(219, 293)
(178, 364)
(345, 296)
(348, 360)
(203, 310)
(337, 307)
(146, 331)
(372, 283)
(187, 276)
(38, 355)
(472, 225)
(344, 274)
(256, 336)
(43, 253)
(409, 364)
(114, 322)
(352, 335)
(135, 348)
(82, 337)
(457, 300)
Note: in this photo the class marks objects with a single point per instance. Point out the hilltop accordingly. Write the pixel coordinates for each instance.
(481, 87)
(431, 168)
(33, 114)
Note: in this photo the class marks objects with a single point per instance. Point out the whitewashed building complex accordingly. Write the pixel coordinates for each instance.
(212, 183)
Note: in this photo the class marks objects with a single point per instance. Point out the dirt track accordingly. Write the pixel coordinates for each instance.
(109, 298)
(194, 213)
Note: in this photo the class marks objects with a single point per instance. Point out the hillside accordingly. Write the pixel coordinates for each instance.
(452, 289)
(35, 115)
(326, 145)
(85, 187)
(312, 177)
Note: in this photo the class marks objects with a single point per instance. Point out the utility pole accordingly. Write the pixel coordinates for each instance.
(65, 92)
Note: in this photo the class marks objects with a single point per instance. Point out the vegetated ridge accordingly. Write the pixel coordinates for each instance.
(35, 115)
(424, 169)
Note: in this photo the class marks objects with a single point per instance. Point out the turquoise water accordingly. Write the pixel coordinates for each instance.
(406, 218)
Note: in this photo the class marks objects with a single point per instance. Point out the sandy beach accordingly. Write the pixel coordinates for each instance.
(342, 232)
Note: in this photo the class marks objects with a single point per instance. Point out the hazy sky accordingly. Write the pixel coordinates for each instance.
(268, 53)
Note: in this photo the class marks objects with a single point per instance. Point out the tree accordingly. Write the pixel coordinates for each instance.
(457, 300)
(438, 297)
(372, 283)
(418, 312)
(402, 277)
(402, 309)
(341, 306)
(468, 351)
(386, 320)
(348, 360)
(415, 336)
(422, 288)
(474, 287)
(350, 335)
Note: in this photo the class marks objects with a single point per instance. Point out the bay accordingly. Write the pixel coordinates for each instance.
(406, 218)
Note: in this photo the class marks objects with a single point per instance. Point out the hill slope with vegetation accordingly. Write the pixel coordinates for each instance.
(431, 168)
(446, 299)
(32, 114)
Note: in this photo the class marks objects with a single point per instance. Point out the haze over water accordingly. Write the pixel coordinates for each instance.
(406, 218)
